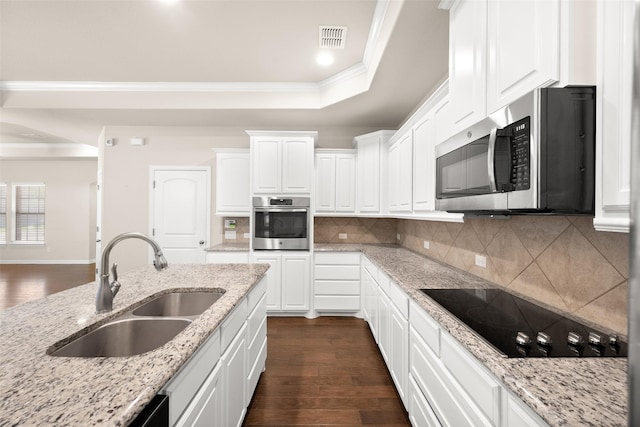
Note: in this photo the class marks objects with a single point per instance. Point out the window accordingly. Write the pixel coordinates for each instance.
(29, 213)
(3, 213)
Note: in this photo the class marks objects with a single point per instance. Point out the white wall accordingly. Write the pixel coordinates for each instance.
(125, 192)
(69, 210)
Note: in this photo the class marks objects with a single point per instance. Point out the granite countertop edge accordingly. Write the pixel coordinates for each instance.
(563, 391)
(39, 389)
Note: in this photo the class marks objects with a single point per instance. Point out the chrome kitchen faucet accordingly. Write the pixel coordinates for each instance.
(107, 291)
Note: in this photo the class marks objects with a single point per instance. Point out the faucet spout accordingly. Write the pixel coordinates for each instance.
(107, 290)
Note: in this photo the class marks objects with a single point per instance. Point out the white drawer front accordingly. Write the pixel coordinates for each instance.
(337, 272)
(256, 370)
(255, 320)
(337, 303)
(420, 413)
(384, 282)
(517, 414)
(256, 294)
(337, 258)
(425, 326)
(232, 324)
(254, 345)
(400, 299)
(337, 287)
(482, 388)
(227, 258)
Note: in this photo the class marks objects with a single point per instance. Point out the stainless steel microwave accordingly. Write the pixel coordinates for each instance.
(536, 155)
(281, 223)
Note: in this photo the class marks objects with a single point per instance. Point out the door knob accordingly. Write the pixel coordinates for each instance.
(201, 242)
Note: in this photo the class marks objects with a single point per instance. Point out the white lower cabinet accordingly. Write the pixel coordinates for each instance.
(214, 387)
(369, 300)
(398, 352)
(420, 412)
(336, 282)
(289, 280)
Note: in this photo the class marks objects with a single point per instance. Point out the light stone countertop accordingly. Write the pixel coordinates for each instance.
(229, 247)
(38, 389)
(563, 391)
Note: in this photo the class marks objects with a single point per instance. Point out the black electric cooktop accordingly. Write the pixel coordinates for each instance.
(519, 328)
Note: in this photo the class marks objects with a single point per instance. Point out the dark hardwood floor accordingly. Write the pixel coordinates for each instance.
(20, 283)
(321, 372)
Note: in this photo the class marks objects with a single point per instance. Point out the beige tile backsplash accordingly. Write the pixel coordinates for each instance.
(558, 260)
(242, 227)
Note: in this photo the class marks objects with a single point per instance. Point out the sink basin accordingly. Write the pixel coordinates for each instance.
(122, 338)
(179, 304)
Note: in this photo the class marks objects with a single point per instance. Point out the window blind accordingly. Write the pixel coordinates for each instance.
(3, 213)
(29, 212)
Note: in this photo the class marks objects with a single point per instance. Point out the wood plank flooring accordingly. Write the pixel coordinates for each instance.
(321, 372)
(20, 283)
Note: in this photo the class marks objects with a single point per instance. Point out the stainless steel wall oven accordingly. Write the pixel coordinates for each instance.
(281, 223)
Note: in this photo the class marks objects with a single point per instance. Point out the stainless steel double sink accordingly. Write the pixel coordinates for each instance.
(140, 329)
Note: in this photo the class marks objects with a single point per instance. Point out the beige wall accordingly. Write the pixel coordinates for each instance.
(125, 196)
(70, 210)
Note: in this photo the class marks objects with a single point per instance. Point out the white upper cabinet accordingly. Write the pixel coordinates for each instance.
(400, 173)
(371, 170)
(282, 162)
(424, 164)
(335, 190)
(232, 182)
(524, 48)
(467, 62)
(499, 50)
(613, 126)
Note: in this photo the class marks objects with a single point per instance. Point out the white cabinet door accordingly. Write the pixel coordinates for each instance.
(207, 407)
(424, 164)
(274, 287)
(234, 362)
(613, 127)
(384, 311)
(369, 175)
(405, 176)
(267, 164)
(296, 278)
(297, 164)
(394, 177)
(325, 191)
(399, 352)
(467, 62)
(524, 48)
(442, 122)
(232, 183)
(345, 183)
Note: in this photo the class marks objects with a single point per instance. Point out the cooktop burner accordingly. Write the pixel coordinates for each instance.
(519, 328)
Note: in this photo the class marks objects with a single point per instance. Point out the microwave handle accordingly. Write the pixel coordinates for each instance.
(491, 159)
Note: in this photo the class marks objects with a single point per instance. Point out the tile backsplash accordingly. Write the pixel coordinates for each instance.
(242, 227)
(355, 230)
(558, 260)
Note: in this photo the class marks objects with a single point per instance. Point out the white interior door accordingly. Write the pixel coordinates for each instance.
(180, 220)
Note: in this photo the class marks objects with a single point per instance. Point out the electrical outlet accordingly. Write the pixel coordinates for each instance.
(342, 236)
(230, 235)
(247, 235)
(481, 261)
(398, 236)
(426, 244)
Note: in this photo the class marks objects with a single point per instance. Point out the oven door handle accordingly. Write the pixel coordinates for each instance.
(278, 210)
(491, 158)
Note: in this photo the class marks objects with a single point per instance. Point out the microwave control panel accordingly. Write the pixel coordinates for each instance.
(519, 133)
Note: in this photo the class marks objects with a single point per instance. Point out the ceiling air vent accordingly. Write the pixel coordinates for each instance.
(332, 37)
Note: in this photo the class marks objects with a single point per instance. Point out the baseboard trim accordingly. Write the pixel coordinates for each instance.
(47, 261)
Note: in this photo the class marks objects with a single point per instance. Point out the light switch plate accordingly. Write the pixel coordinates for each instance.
(426, 244)
(481, 261)
(230, 235)
(342, 235)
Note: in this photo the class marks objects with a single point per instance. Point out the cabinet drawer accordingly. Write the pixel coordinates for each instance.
(384, 282)
(432, 379)
(227, 258)
(255, 371)
(256, 294)
(184, 385)
(420, 413)
(255, 320)
(399, 298)
(425, 326)
(255, 344)
(337, 272)
(480, 386)
(337, 258)
(232, 324)
(337, 303)
(337, 287)
(516, 413)
(206, 406)
(371, 269)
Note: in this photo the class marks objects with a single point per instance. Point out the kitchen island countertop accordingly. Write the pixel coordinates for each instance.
(563, 391)
(38, 389)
